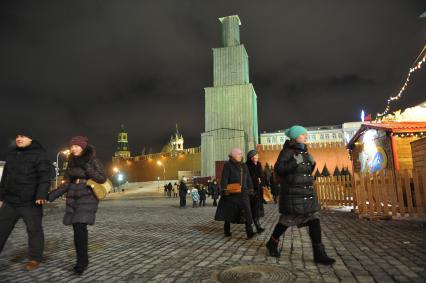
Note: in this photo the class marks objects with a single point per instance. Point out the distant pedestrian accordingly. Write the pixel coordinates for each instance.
(214, 191)
(256, 199)
(236, 185)
(298, 203)
(183, 191)
(165, 190)
(169, 189)
(81, 202)
(23, 190)
(195, 197)
(203, 194)
(175, 190)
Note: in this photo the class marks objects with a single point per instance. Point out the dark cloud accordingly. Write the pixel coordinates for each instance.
(86, 67)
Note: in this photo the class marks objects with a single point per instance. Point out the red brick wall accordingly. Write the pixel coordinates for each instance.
(330, 154)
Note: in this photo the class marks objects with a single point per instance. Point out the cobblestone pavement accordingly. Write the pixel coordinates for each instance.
(152, 240)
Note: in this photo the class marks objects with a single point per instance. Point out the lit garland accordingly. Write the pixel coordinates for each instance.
(417, 66)
(413, 134)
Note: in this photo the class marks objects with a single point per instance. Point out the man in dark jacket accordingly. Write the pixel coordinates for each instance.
(183, 191)
(23, 190)
(214, 191)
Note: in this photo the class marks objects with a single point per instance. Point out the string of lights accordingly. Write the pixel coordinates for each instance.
(417, 65)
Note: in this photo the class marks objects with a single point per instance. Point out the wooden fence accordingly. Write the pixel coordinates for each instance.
(381, 194)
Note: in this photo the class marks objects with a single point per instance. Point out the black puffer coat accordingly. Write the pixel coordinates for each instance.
(235, 208)
(26, 176)
(257, 178)
(297, 194)
(81, 204)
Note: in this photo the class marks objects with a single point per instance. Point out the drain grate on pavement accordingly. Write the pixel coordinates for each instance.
(253, 274)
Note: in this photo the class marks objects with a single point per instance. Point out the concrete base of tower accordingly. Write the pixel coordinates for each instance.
(216, 145)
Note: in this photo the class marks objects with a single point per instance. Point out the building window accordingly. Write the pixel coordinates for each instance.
(268, 140)
(327, 136)
(334, 136)
(322, 136)
(340, 135)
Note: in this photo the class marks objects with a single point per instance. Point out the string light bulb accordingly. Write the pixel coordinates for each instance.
(418, 66)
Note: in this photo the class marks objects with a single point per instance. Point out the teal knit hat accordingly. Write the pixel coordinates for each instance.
(295, 131)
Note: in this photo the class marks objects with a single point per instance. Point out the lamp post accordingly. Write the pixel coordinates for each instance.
(159, 163)
(64, 152)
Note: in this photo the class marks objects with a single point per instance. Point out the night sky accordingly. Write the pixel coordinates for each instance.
(86, 67)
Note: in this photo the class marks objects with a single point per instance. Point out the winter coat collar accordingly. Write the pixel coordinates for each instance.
(292, 144)
(89, 153)
(35, 145)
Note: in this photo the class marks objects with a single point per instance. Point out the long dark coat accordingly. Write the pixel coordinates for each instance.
(256, 199)
(235, 208)
(297, 195)
(81, 203)
(26, 175)
(214, 190)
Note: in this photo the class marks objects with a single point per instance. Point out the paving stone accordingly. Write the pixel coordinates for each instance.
(152, 240)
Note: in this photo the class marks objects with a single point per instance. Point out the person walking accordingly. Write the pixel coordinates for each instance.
(298, 204)
(81, 202)
(24, 186)
(175, 190)
(183, 190)
(234, 205)
(256, 199)
(203, 194)
(195, 197)
(214, 191)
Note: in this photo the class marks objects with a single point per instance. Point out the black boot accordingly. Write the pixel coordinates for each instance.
(259, 228)
(227, 229)
(272, 246)
(320, 256)
(81, 247)
(79, 269)
(249, 231)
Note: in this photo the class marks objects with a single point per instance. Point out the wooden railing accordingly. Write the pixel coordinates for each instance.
(333, 191)
(381, 194)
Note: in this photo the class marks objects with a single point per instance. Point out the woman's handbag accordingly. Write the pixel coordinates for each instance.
(267, 195)
(235, 188)
(100, 190)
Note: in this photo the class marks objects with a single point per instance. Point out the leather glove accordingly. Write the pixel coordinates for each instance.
(299, 158)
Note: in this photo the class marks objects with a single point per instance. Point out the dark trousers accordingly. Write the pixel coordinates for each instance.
(227, 228)
(81, 242)
(215, 202)
(32, 216)
(202, 202)
(182, 201)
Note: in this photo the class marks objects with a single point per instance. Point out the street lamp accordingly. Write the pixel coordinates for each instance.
(64, 152)
(159, 163)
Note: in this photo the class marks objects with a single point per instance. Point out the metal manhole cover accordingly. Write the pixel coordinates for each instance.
(254, 274)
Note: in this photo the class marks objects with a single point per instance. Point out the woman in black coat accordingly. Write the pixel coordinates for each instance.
(81, 203)
(256, 200)
(298, 203)
(235, 208)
